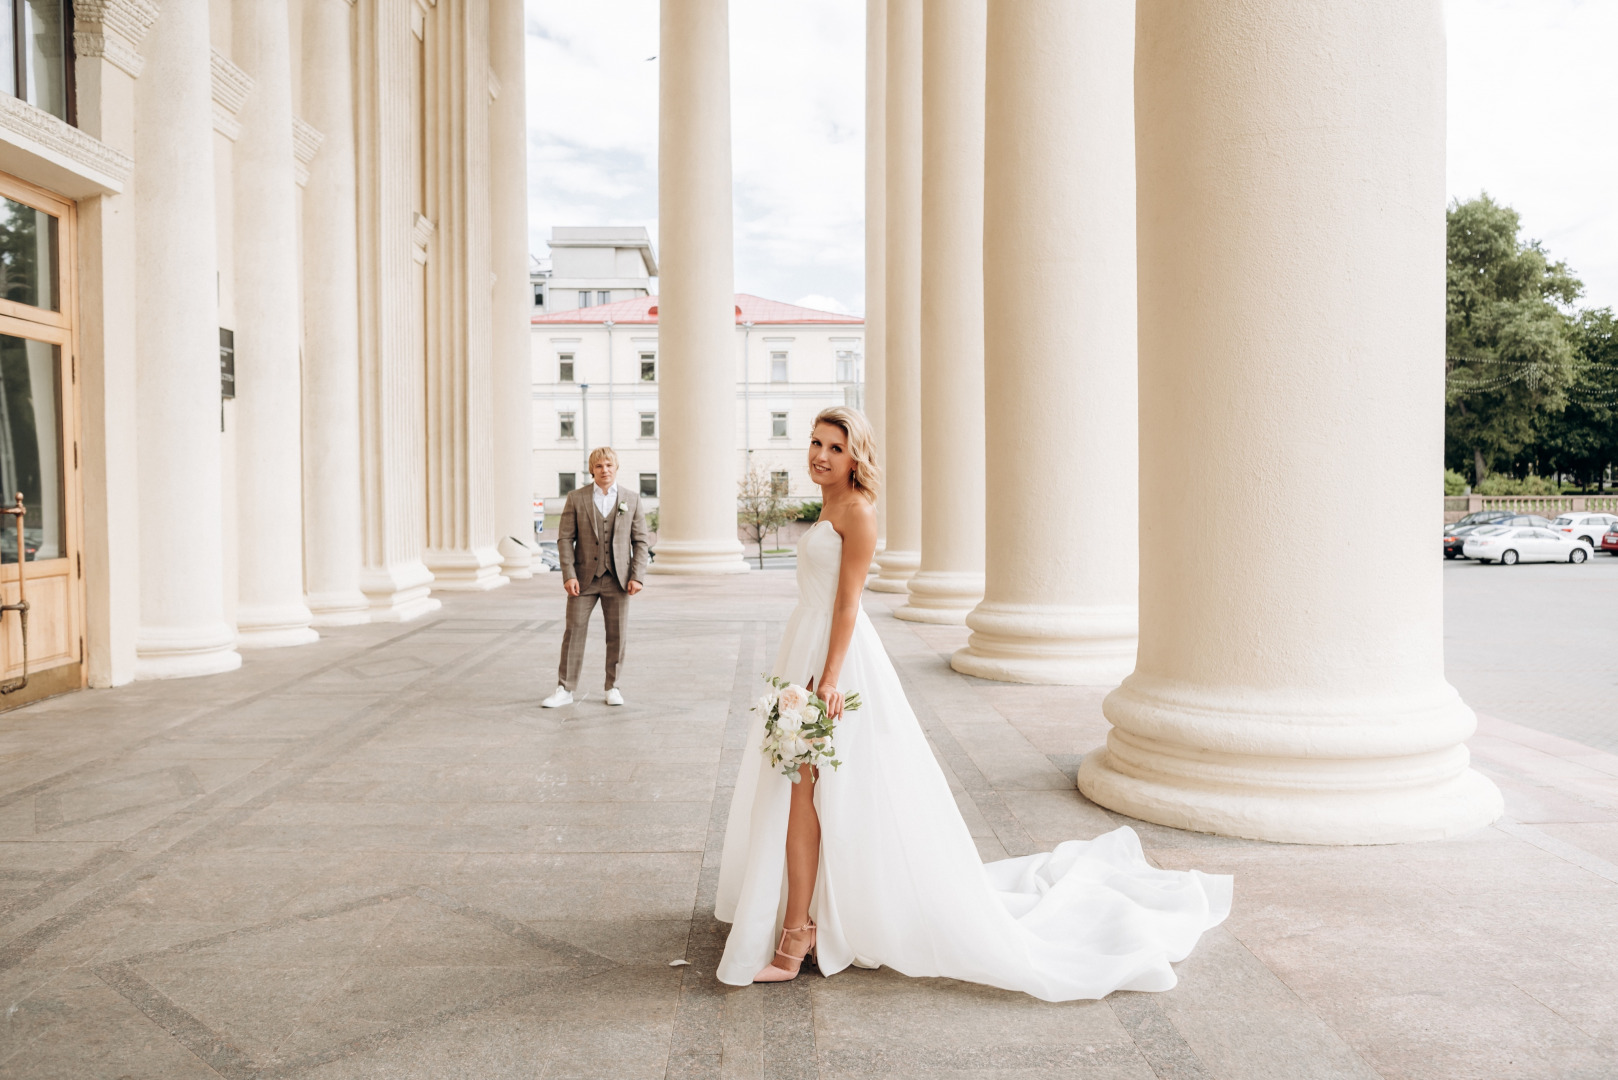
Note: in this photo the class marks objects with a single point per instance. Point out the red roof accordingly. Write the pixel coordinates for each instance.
(749, 308)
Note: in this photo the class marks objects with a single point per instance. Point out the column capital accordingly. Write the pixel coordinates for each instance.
(306, 140)
(111, 29)
(231, 85)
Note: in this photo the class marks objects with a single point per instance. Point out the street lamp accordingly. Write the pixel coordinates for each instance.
(747, 394)
(608, 324)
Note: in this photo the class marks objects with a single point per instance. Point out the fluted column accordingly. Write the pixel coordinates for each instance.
(901, 419)
(949, 582)
(1292, 327)
(1059, 289)
(392, 450)
(696, 306)
(331, 366)
(512, 379)
(876, 238)
(269, 504)
(462, 544)
(182, 625)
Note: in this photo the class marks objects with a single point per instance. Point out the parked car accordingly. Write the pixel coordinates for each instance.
(1609, 543)
(548, 557)
(1509, 544)
(1587, 527)
(1455, 535)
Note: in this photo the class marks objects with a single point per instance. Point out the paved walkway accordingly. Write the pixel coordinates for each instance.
(376, 857)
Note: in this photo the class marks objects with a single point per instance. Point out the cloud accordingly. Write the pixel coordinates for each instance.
(797, 134)
(1533, 102)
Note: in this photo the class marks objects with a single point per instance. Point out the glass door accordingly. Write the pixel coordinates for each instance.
(39, 468)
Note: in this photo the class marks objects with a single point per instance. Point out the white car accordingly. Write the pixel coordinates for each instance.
(1510, 544)
(1587, 527)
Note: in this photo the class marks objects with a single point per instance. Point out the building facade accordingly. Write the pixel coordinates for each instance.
(256, 379)
(594, 265)
(596, 378)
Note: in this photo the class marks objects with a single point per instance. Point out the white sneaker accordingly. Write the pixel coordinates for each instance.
(614, 697)
(558, 699)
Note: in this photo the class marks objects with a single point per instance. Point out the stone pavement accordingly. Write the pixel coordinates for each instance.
(376, 857)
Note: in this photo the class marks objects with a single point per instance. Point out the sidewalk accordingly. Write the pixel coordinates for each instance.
(376, 857)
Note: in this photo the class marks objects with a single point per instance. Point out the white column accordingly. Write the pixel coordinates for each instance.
(104, 76)
(512, 300)
(392, 403)
(182, 626)
(331, 366)
(696, 390)
(876, 237)
(1292, 328)
(462, 544)
(901, 417)
(949, 582)
(269, 505)
(1059, 288)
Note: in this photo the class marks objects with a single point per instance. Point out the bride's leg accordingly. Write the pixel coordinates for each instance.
(803, 847)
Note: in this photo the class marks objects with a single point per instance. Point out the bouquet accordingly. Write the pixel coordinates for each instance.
(797, 730)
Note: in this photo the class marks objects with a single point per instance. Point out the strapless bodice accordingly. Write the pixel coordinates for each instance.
(820, 559)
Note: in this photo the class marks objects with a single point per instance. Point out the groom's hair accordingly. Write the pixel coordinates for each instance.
(603, 453)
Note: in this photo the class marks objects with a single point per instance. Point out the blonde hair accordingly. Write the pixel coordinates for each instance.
(867, 475)
(603, 453)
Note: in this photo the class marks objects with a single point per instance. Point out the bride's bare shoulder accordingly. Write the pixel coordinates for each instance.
(855, 522)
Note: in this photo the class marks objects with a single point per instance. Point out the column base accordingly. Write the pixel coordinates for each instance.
(461, 570)
(274, 627)
(1049, 645)
(1292, 769)
(185, 652)
(699, 557)
(516, 559)
(943, 597)
(894, 571)
(399, 593)
(338, 608)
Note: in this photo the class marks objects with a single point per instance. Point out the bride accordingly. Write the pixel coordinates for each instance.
(871, 863)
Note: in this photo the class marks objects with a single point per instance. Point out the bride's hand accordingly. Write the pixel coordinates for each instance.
(833, 698)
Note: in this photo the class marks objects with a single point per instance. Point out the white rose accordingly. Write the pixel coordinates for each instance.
(765, 704)
(794, 697)
(790, 722)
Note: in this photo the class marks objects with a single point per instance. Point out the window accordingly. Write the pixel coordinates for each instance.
(34, 51)
(584, 297)
(539, 296)
(564, 425)
(780, 482)
(648, 367)
(648, 425)
(778, 367)
(566, 482)
(648, 485)
(604, 296)
(845, 366)
(564, 367)
(31, 459)
(778, 425)
(27, 253)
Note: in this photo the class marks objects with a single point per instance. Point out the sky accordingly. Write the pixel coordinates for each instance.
(1533, 109)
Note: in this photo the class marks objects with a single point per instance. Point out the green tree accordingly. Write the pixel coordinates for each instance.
(1510, 337)
(1582, 439)
(762, 507)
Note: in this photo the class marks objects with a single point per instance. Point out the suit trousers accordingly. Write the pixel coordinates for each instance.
(614, 609)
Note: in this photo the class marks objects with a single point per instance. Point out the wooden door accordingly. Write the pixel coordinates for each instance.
(39, 445)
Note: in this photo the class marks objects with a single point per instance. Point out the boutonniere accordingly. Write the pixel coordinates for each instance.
(623, 507)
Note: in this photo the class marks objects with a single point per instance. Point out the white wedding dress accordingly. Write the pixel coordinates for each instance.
(900, 881)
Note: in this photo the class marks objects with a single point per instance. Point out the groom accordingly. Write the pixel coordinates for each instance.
(602, 547)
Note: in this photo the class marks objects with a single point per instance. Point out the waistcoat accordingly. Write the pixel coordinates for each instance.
(609, 526)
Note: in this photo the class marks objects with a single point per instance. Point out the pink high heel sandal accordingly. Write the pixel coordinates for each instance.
(787, 971)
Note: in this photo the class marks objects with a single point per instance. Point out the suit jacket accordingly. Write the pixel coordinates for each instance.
(579, 544)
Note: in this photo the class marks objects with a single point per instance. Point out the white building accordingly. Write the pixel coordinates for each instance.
(594, 265)
(258, 326)
(595, 373)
